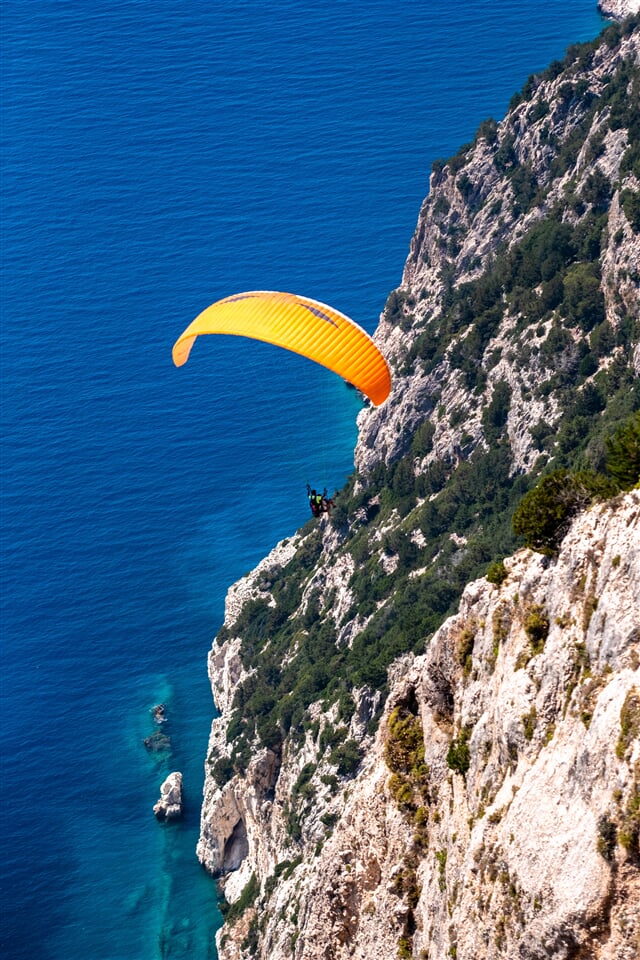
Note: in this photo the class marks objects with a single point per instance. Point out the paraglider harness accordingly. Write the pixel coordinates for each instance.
(319, 502)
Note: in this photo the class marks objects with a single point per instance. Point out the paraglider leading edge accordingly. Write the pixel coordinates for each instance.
(302, 325)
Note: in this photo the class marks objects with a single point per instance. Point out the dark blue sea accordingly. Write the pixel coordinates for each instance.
(158, 156)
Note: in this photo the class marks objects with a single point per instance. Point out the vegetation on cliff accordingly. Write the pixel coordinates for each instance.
(514, 342)
(541, 320)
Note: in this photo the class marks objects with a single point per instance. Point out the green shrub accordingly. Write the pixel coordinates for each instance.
(607, 838)
(464, 648)
(629, 830)
(623, 453)
(631, 206)
(347, 757)
(222, 771)
(404, 749)
(458, 754)
(529, 721)
(545, 513)
(629, 723)
(405, 948)
(494, 415)
(233, 911)
(536, 627)
(583, 302)
(497, 573)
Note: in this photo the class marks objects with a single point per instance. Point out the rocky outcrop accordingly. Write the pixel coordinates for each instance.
(619, 9)
(159, 713)
(480, 205)
(513, 830)
(169, 806)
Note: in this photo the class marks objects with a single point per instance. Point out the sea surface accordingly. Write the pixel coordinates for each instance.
(157, 156)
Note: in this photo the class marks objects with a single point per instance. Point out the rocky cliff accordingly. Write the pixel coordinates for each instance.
(428, 738)
(496, 811)
(503, 210)
(619, 9)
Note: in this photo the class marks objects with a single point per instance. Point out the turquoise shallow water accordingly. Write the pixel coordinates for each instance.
(156, 157)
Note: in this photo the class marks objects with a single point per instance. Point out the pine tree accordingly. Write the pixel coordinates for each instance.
(623, 453)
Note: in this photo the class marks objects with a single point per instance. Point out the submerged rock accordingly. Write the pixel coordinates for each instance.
(169, 806)
(157, 742)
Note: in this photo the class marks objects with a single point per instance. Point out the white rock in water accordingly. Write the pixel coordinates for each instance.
(169, 806)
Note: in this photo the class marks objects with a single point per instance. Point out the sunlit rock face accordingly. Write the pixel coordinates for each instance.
(474, 210)
(619, 9)
(479, 800)
(516, 856)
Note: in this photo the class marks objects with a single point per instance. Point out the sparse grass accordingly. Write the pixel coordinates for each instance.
(536, 627)
(458, 754)
(629, 723)
(529, 721)
(464, 651)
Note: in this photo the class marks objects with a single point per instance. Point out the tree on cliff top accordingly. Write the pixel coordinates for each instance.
(545, 513)
(623, 454)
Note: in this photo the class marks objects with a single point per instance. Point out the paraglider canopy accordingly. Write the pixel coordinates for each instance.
(301, 325)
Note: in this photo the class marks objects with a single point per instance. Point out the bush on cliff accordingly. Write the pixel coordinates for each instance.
(545, 513)
(623, 454)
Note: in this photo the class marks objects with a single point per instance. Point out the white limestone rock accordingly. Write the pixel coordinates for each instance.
(619, 9)
(169, 806)
(512, 864)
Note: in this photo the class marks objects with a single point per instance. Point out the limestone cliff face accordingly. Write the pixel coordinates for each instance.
(479, 203)
(517, 851)
(406, 763)
(619, 9)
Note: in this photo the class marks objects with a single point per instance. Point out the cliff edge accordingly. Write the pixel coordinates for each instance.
(496, 813)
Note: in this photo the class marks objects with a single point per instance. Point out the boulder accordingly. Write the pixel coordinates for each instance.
(169, 806)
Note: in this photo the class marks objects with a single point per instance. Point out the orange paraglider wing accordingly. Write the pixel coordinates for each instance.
(302, 325)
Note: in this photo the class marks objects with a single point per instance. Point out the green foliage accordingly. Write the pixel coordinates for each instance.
(607, 838)
(464, 647)
(629, 723)
(623, 454)
(488, 130)
(494, 415)
(404, 748)
(597, 189)
(458, 754)
(283, 870)
(398, 308)
(347, 758)
(233, 911)
(302, 788)
(404, 755)
(583, 302)
(405, 948)
(529, 723)
(497, 573)
(441, 857)
(536, 627)
(629, 829)
(222, 771)
(545, 513)
(422, 442)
